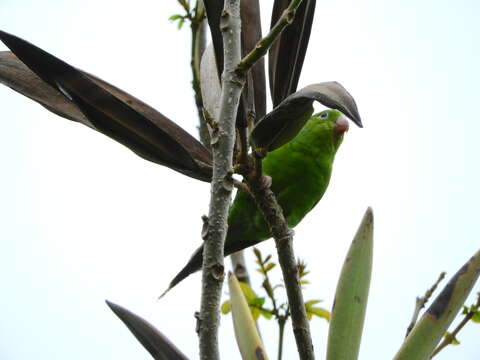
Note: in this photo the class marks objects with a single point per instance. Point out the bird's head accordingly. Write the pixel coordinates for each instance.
(333, 125)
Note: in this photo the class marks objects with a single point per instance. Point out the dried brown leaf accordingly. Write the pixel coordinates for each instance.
(104, 107)
(152, 340)
(285, 59)
(251, 34)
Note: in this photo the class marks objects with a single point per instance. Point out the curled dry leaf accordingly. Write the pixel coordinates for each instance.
(152, 340)
(285, 59)
(284, 122)
(82, 97)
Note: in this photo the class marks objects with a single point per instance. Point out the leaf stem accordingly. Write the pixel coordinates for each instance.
(281, 330)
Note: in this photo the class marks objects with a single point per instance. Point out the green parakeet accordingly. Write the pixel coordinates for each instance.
(300, 172)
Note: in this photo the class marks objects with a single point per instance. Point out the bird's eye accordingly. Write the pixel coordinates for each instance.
(324, 115)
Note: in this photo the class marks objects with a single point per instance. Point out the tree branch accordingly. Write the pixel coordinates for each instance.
(222, 184)
(233, 80)
(270, 208)
(283, 235)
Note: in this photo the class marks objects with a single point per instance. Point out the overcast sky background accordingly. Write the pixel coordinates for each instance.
(83, 219)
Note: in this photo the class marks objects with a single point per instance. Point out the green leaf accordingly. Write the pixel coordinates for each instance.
(180, 23)
(257, 302)
(476, 316)
(320, 312)
(312, 310)
(351, 296)
(270, 266)
(266, 313)
(258, 254)
(309, 303)
(452, 340)
(226, 307)
(175, 17)
(305, 273)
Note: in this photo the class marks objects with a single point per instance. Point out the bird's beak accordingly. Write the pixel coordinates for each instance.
(341, 126)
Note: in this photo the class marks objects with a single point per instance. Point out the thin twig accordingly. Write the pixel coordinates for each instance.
(267, 285)
(447, 340)
(421, 301)
(222, 184)
(243, 137)
(281, 318)
(198, 26)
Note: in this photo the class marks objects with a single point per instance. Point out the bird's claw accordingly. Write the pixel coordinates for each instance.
(265, 182)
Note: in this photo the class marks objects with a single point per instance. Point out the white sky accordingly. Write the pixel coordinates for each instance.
(83, 219)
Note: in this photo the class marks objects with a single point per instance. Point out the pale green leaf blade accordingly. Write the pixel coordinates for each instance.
(246, 333)
(430, 329)
(348, 313)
